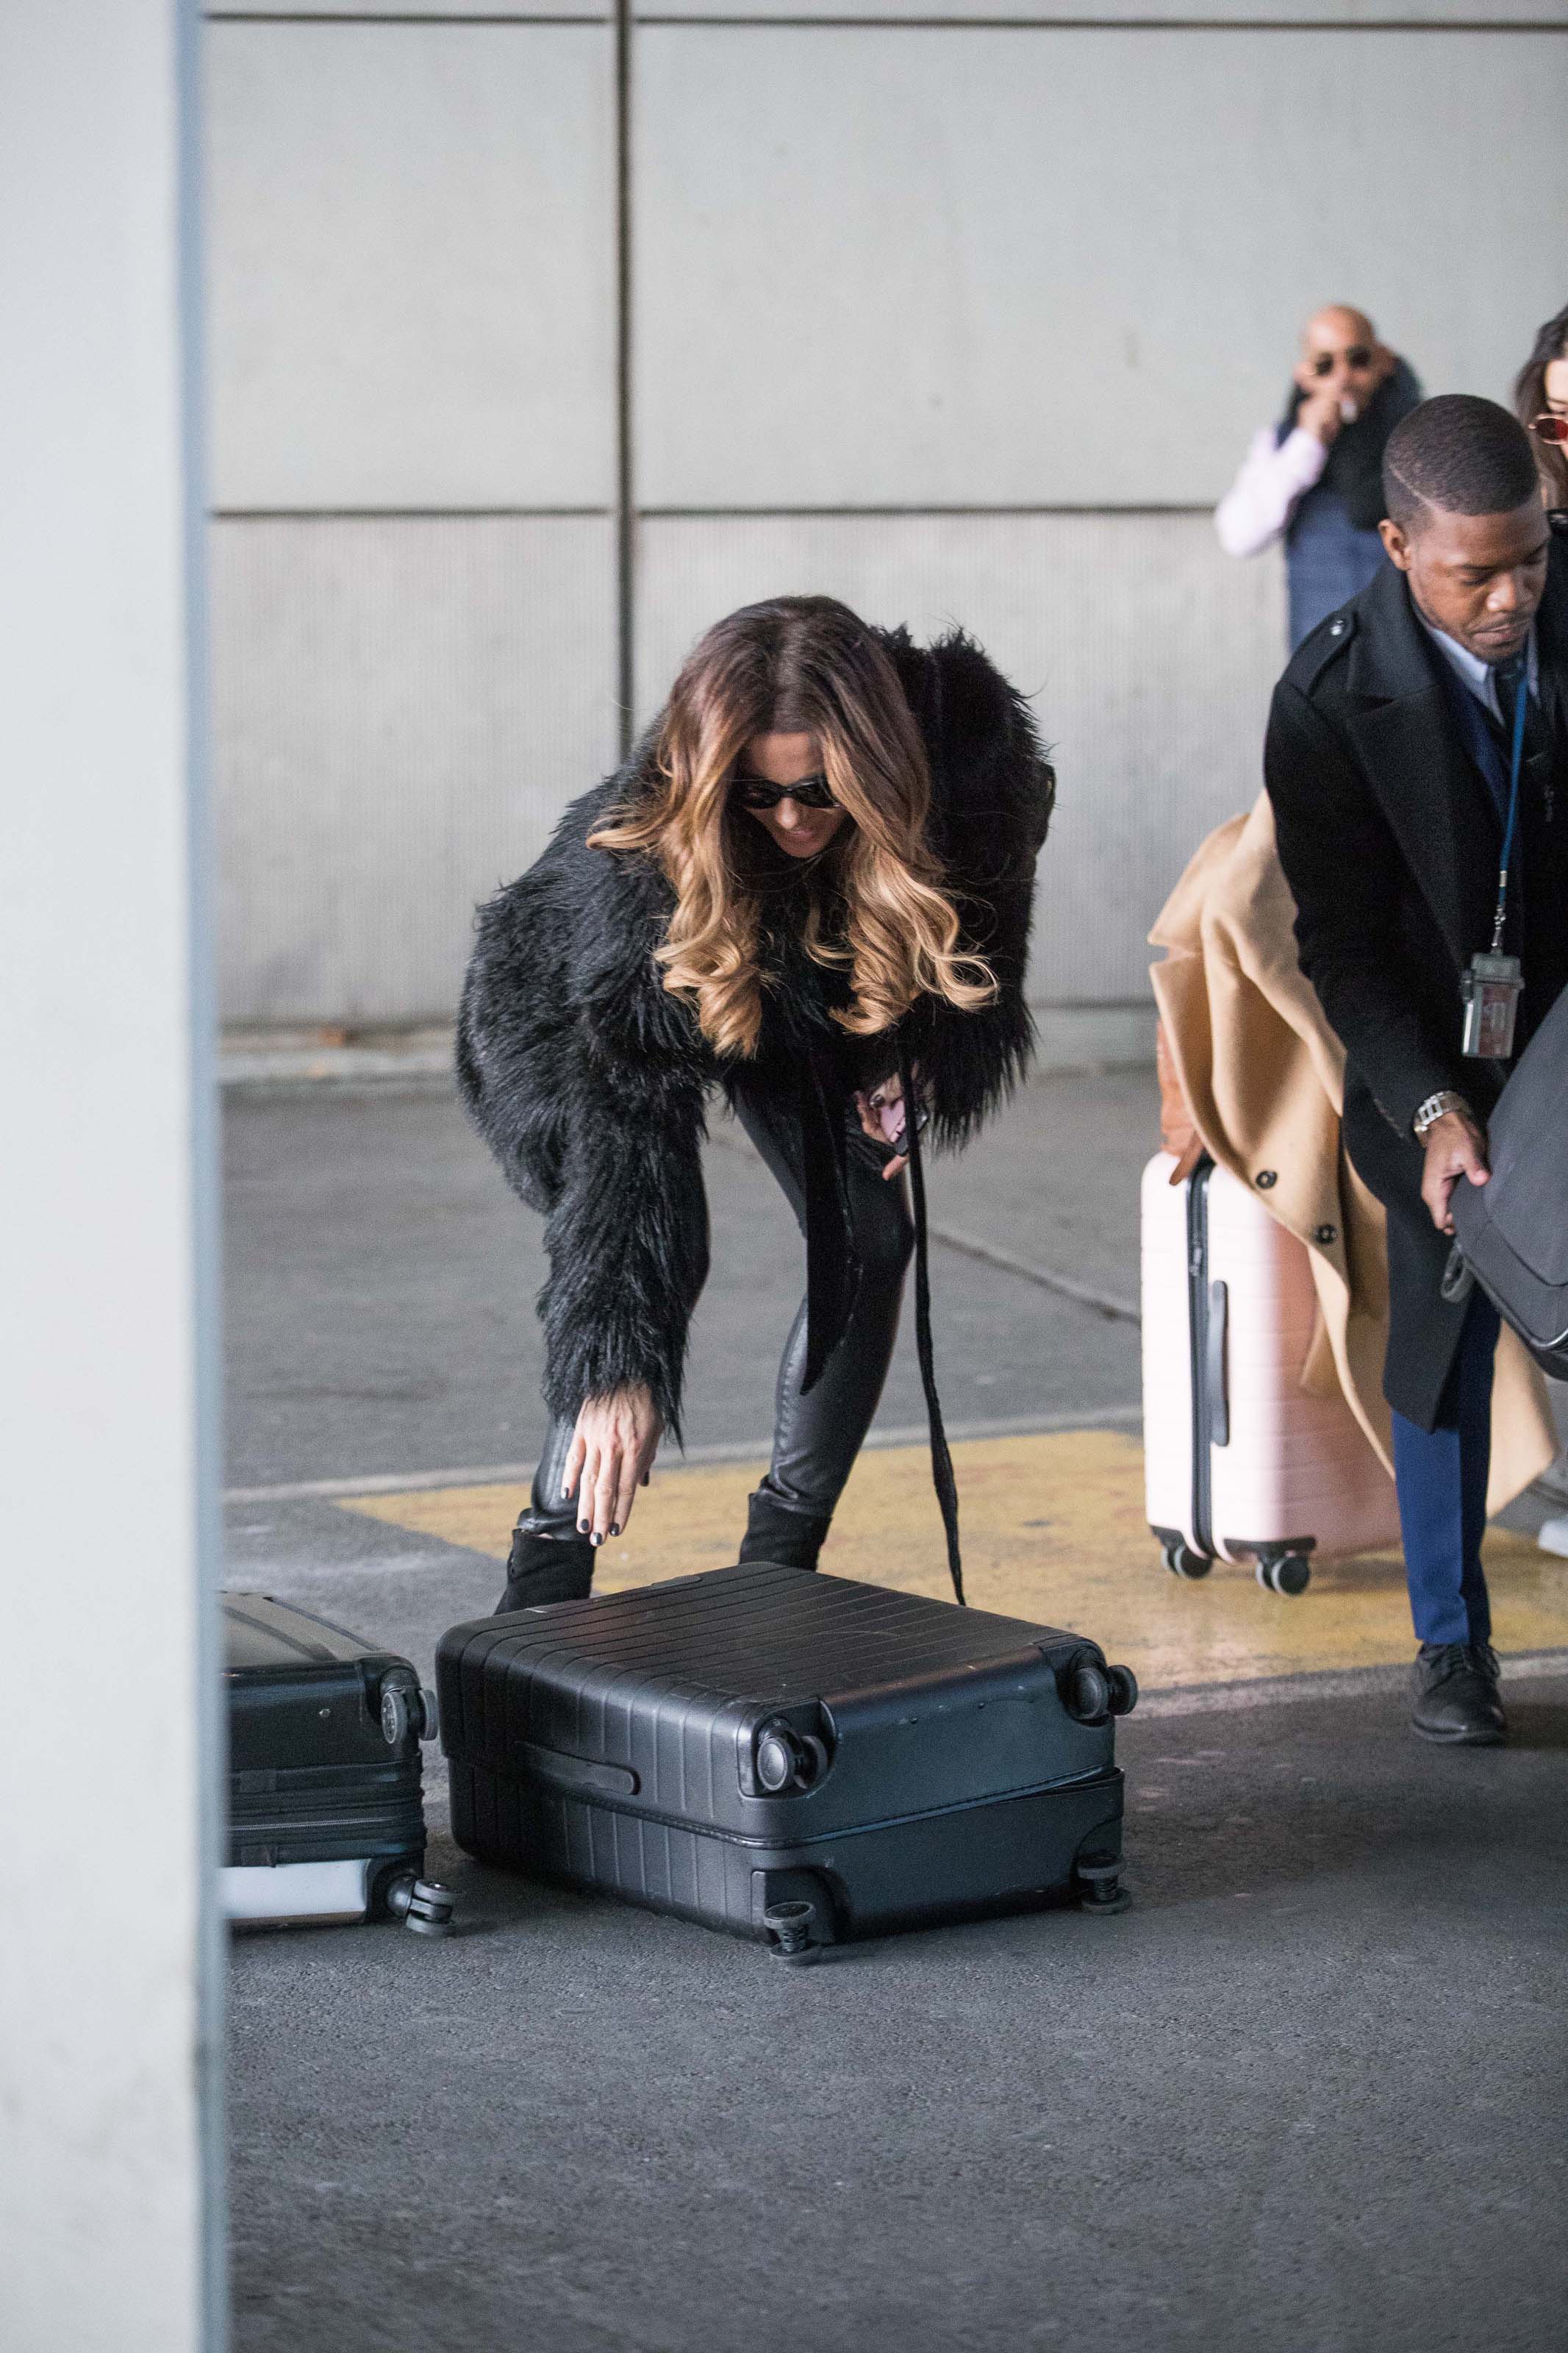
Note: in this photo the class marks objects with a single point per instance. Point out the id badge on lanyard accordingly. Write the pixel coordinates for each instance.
(1491, 986)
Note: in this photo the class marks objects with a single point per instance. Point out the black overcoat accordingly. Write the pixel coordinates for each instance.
(588, 1079)
(1389, 839)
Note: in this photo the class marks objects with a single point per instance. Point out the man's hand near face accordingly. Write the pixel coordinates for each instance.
(1455, 1147)
(1319, 416)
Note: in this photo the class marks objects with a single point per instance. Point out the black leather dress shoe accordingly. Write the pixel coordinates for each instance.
(1456, 1689)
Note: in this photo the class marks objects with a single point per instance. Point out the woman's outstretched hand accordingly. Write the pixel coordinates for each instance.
(612, 1453)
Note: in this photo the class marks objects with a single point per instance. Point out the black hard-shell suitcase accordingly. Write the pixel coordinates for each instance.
(326, 1811)
(1514, 1232)
(791, 1756)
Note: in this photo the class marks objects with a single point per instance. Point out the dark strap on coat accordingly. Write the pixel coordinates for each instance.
(941, 1459)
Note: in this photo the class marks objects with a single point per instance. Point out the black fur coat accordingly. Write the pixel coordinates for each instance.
(588, 1081)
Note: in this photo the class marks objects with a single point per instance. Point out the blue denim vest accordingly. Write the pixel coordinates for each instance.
(1326, 560)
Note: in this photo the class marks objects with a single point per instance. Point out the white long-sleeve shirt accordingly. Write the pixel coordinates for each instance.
(1259, 503)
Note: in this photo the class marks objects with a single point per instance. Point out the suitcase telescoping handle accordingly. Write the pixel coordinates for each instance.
(1215, 1379)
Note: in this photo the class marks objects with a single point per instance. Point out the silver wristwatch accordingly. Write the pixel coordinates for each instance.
(1432, 1109)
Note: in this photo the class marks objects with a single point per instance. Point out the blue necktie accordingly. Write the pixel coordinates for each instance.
(1507, 677)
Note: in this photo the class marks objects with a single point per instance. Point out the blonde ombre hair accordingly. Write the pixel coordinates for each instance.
(797, 665)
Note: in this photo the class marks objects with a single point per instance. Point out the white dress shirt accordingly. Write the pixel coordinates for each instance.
(1479, 676)
(1259, 503)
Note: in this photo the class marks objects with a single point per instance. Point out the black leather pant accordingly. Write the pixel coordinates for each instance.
(816, 1437)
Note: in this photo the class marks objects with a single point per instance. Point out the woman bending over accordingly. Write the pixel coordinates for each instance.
(813, 877)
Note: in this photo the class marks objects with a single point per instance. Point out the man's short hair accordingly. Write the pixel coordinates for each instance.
(1458, 453)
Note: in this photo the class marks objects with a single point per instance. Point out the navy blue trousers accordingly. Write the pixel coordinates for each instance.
(1441, 1475)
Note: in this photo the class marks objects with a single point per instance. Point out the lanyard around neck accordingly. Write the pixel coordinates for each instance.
(1516, 761)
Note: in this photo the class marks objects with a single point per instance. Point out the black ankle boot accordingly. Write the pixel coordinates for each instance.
(546, 1569)
(775, 1532)
(1455, 1690)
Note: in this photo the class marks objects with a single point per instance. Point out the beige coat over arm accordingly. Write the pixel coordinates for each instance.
(1263, 1074)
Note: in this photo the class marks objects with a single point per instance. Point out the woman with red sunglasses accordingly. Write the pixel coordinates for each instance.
(1541, 404)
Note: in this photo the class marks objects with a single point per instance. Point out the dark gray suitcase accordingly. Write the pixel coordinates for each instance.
(1514, 1231)
(326, 1807)
(793, 1758)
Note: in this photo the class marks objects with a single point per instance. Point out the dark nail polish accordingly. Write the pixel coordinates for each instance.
(596, 1541)
(583, 1527)
(614, 1527)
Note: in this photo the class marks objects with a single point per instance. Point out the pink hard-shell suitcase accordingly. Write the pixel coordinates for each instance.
(1240, 1464)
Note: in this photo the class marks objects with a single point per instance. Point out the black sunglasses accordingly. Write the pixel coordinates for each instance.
(1357, 356)
(1550, 428)
(811, 792)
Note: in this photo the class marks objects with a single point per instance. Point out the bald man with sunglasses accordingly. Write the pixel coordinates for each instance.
(1315, 479)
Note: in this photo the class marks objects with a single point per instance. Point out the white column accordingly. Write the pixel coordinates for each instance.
(109, 2203)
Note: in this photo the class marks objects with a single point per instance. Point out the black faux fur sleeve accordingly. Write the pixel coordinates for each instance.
(587, 1082)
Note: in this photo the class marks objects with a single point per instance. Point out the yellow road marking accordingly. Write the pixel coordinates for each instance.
(1053, 1531)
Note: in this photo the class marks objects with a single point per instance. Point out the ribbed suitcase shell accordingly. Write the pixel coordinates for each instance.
(1514, 1232)
(313, 1780)
(1238, 1459)
(615, 1743)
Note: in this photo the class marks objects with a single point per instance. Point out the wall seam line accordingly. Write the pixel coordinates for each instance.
(923, 24)
(680, 515)
(409, 514)
(1109, 24)
(876, 514)
(626, 505)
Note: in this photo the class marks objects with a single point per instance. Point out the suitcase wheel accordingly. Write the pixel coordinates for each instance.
(422, 1905)
(1183, 1561)
(791, 1931)
(788, 1760)
(405, 1708)
(1284, 1572)
(1085, 1688)
(1123, 1690)
(1092, 1692)
(1099, 1887)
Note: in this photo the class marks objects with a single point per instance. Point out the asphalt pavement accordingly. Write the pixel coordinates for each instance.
(1306, 2094)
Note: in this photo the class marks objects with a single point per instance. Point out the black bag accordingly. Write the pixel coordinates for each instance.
(791, 1756)
(1514, 1231)
(326, 1805)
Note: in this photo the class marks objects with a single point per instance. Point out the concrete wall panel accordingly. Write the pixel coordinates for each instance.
(411, 264)
(1067, 268)
(1150, 654)
(402, 710)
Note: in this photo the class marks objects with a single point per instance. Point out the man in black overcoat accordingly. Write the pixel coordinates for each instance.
(1389, 765)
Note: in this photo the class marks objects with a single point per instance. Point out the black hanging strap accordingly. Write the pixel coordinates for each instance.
(941, 1459)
